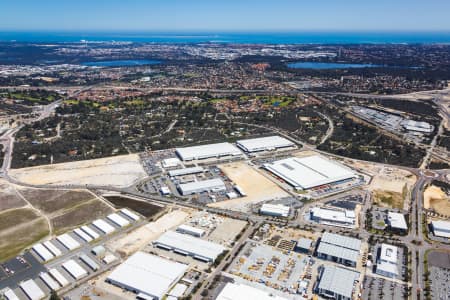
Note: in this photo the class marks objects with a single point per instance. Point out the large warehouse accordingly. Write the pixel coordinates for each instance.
(215, 184)
(208, 151)
(188, 245)
(339, 248)
(441, 228)
(268, 143)
(308, 172)
(387, 261)
(149, 276)
(335, 217)
(337, 283)
(237, 291)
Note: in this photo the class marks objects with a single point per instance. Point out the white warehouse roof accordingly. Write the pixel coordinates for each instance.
(90, 232)
(334, 215)
(9, 294)
(190, 230)
(236, 291)
(208, 151)
(103, 226)
(388, 253)
(186, 171)
(118, 220)
(264, 143)
(275, 209)
(129, 214)
(150, 275)
(68, 241)
(32, 290)
(441, 228)
(341, 241)
(74, 269)
(308, 172)
(189, 245)
(397, 220)
(52, 248)
(43, 252)
(201, 186)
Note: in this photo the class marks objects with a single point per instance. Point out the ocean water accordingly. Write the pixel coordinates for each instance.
(120, 63)
(329, 66)
(238, 38)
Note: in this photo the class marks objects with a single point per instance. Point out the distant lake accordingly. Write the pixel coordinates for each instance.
(121, 63)
(329, 66)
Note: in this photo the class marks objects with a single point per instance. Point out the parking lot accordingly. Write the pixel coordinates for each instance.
(440, 279)
(31, 264)
(378, 288)
(348, 202)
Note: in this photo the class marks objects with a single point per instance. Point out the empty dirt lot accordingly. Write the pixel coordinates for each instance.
(54, 201)
(80, 214)
(19, 229)
(119, 171)
(435, 198)
(257, 187)
(8, 197)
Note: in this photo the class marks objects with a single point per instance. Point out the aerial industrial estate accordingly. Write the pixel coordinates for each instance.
(135, 170)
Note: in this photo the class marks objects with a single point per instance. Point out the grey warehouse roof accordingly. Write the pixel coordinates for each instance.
(341, 240)
(338, 280)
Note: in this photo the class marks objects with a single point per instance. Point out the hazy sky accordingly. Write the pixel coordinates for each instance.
(215, 15)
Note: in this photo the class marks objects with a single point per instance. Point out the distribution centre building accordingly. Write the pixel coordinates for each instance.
(441, 228)
(149, 276)
(238, 291)
(339, 248)
(309, 172)
(188, 245)
(186, 171)
(268, 143)
(215, 184)
(276, 210)
(337, 283)
(208, 151)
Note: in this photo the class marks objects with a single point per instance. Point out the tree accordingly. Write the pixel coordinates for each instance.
(54, 296)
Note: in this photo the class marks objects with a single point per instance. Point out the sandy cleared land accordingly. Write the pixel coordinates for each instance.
(392, 180)
(55, 201)
(140, 237)
(80, 214)
(119, 171)
(257, 187)
(435, 198)
(19, 229)
(8, 197)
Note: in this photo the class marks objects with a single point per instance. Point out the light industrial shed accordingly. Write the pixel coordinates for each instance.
(90, 232)
(308, 172)
(208, 151)
(186, 229)
(49, 281)
(58, 277)
(32, 290)
(103, 226)
(52, 248)
(67, 241)
(336, 217)
(337, 283)
(189, 245)
(42, 252)
(215, 184)
(129, 214)
(74, 269)
(149, 276)
(276, 210)
(268, 143)
(118, 220)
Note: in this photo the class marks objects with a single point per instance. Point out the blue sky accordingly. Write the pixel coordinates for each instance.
(231, 15)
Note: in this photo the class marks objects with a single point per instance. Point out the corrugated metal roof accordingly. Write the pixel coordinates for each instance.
(190, 244)
(264, 143)
(148, 274)
(207, 151)
(338, 280)
(341, 240)
(337, 251)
